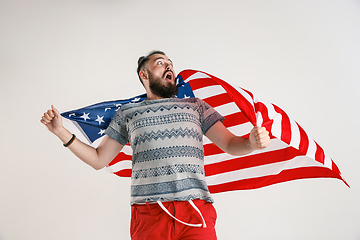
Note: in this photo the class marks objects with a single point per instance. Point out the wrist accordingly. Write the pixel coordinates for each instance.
(70, 141)
(251, 145)
(62, 133)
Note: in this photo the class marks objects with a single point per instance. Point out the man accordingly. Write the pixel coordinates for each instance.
(169, 195)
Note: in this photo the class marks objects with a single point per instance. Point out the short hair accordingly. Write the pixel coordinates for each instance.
(143, 61)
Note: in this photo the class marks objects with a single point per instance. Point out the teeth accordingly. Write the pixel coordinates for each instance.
(168, 75)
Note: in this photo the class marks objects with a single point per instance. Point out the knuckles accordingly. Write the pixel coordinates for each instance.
(262, 136)
(50, 113)
(47, 117)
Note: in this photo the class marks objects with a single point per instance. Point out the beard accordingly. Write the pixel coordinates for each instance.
(167, 90)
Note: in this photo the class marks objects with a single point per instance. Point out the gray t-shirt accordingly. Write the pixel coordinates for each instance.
(166, 136)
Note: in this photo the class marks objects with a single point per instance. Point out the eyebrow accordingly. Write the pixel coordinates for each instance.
(162, 58)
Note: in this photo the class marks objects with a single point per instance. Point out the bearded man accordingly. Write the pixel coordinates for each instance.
(169, 195)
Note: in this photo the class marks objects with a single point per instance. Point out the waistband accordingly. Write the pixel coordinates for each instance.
(158, 207)
(187, 224)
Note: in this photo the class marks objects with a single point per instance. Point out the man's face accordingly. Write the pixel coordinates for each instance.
(162, 79)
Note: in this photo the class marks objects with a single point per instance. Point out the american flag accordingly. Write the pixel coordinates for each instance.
(291, 155)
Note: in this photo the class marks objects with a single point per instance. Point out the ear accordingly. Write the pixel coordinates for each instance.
(143, 75)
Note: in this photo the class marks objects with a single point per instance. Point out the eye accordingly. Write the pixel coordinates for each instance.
(159, 63)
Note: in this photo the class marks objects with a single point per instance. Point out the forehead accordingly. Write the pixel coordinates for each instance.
(155, 57)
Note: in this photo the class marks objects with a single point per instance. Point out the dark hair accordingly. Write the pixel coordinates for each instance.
(144, 59)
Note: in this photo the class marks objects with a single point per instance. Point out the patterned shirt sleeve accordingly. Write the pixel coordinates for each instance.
(117, 128)
(208, 116)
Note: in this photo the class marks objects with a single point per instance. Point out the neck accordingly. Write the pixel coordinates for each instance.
(151, 96)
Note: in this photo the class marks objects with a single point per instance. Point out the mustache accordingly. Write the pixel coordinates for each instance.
(169, 71)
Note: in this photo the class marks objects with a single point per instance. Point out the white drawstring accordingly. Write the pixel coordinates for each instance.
(198, 210)
(187, 224)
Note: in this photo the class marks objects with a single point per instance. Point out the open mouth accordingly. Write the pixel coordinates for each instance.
(169, 76)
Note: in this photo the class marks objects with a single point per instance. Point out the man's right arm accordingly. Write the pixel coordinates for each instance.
(96, 158)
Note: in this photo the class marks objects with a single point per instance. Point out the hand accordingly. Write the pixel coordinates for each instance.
(259, 138)
(52, 120)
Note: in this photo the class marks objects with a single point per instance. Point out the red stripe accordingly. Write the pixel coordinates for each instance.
(238, 98)
(248, 92)
(238, 163)
(304, 141)
(235, 119)
(201, 83)
(245, 106)
(319, 155)
(211, 149)
(120, 157)
(285, 125)
(185, 74)
(285, 175)
(267, 122)
(334, 167)
(218, 100)
(124, 173)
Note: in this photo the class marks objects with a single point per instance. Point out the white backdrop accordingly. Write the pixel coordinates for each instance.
(303, 56)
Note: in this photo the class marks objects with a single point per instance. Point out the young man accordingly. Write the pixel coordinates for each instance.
(169, 195)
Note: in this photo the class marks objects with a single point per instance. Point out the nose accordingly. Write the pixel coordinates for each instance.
(168, 65)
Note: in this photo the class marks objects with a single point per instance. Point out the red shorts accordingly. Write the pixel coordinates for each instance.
(151, 222)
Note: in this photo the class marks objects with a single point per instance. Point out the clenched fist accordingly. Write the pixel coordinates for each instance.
(259, 138)
(52, 120)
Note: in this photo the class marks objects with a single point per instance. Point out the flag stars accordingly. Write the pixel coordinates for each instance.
(85, 116)
(101, 132)
(100, 119)
(118, 106)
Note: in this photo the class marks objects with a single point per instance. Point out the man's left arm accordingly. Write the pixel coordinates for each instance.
(235, 145)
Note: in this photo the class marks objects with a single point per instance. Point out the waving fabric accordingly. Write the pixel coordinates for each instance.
(291, 155)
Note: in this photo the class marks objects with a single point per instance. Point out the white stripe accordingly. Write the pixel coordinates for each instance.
(227, 109)
(218, 158)
(125, 164)
(295, 134)
(238, 130)
(276, 117)
(260, 171)
(311, 148)
(209, 91)
(127, 150)
(275, 144)
(206, 140)
(197, 75)
(259, 119)
(242, 129)
(245, 94)
(327, 161)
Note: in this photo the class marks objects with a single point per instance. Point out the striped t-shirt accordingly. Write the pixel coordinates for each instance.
(166, 136)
